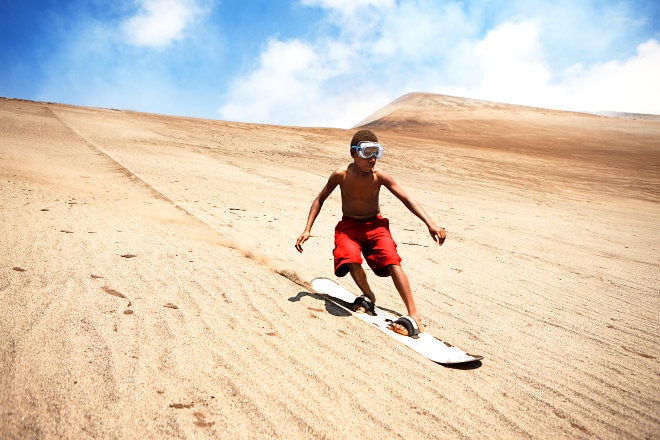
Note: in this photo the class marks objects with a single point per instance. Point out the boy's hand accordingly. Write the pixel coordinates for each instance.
(438, 234)
(303, 238)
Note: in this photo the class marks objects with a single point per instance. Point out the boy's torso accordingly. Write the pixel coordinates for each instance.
(359, 192)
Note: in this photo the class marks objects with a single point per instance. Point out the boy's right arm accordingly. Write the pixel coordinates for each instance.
(314, 211)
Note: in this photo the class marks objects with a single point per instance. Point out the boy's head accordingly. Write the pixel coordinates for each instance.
(365, 145)
(363, 136)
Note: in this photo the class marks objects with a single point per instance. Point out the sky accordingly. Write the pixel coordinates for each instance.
(329, 63)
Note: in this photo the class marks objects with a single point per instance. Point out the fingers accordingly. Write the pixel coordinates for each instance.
(439, 236)
(303, 238)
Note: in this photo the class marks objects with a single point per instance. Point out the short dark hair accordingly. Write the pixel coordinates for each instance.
(363, 135)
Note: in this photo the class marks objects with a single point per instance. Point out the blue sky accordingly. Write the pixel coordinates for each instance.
(329, 62)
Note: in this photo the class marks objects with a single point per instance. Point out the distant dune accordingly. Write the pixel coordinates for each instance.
(432, 108)
(620, 148)
(150, 287)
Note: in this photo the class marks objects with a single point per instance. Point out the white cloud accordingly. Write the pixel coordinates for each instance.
(331, 81)
(631, 85)
(365, 53)
(380, 51)
(511, 62)
(160, 22)
(375, 51)
(513, 68)
(347, 7)
(422, 34)
(285, 75)
(291, 83)
(93, 65)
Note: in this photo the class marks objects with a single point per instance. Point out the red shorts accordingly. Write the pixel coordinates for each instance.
(371, 238)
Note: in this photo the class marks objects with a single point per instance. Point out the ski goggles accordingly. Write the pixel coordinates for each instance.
(367, 150)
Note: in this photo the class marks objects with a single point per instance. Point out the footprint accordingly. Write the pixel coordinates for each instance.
(113, 292)
(181, 405)
(639, 353)
(200, 420)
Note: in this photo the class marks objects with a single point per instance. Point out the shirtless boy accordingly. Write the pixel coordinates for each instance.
(363, 230)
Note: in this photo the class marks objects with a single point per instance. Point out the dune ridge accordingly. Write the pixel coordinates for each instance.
(150, 288)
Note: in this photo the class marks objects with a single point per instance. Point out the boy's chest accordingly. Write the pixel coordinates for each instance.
(360, 188)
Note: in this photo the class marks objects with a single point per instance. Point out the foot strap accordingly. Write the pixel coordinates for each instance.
(410, 324)
(365, 302)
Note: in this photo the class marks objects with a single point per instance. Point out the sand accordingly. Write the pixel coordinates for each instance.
(150, 288)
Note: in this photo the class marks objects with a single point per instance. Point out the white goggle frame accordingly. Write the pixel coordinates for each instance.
(367, 150)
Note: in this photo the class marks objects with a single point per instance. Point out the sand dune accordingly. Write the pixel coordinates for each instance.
(150, 288)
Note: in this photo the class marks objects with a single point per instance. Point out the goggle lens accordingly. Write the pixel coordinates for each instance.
(367, 150)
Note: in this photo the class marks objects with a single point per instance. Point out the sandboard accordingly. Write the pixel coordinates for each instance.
(425, 344)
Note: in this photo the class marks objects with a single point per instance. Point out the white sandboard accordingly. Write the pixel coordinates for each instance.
(425, 344)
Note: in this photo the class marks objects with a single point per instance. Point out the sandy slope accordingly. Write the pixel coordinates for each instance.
(150, 288)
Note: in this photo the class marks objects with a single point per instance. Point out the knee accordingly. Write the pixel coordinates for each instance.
(394, 267)
(353, 267)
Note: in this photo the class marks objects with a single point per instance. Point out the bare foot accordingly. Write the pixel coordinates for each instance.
(402, 330)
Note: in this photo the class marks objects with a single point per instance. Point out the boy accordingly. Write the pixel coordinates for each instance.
(363, 230)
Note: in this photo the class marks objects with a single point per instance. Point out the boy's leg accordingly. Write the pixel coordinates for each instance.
(403, 287)
(360, 277)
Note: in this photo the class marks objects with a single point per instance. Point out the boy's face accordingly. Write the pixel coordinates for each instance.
(365, 154)
(364, 165)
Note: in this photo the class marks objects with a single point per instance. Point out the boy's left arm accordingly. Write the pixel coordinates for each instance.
(437, 233)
